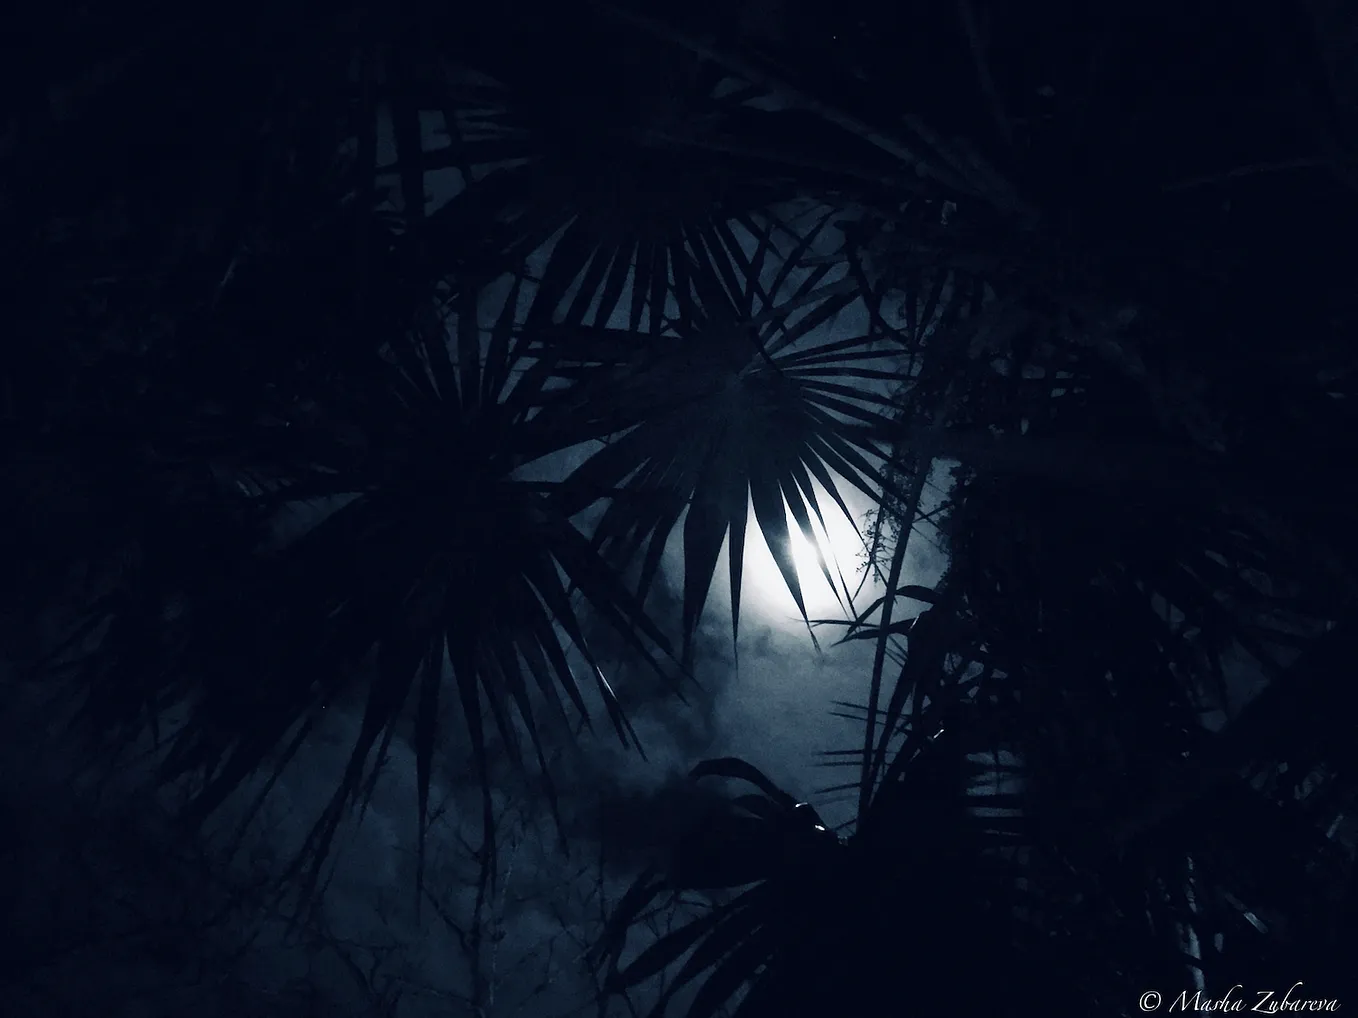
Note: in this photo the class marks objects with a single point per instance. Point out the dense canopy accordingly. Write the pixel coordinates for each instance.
(529, 310)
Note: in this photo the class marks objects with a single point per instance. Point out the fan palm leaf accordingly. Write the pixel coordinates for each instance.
(440, 560)
(938, 858)
(811, 919)
(738, 403)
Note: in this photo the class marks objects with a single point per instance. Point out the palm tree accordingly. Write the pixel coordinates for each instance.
(641, 231)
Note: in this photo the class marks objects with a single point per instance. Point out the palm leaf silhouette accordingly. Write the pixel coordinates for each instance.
(456, 249)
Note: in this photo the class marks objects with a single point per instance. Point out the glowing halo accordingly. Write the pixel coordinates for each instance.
(764, 588)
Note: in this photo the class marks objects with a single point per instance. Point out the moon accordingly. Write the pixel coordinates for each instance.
(838, 542)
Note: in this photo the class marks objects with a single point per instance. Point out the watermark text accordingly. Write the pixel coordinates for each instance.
(1238, 1000)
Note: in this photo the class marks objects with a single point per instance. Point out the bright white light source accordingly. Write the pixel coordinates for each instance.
(839, 543)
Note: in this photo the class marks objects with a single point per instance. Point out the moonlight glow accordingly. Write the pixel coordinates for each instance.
(764, 587)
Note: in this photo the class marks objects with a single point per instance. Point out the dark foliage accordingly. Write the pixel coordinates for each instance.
(507, 297)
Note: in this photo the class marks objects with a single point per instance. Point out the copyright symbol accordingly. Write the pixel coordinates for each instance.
(1149, 1001)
